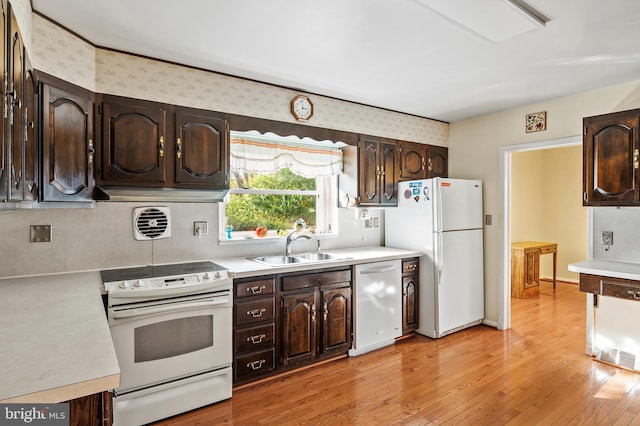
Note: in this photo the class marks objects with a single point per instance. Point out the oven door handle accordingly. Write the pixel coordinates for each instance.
(139, 312)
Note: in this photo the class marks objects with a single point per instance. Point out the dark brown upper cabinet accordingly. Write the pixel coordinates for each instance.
(68, 147)
(610, 159)
(377, 171)
(420, 161)
(202, 148)
(413, 161)
(134, 143)
(18, 146)
(437, 161)
(152, 144)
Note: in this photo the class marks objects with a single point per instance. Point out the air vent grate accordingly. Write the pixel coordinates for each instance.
(151, 223)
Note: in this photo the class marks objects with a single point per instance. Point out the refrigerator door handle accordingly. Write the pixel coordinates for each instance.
(437, 200)
(440, 256)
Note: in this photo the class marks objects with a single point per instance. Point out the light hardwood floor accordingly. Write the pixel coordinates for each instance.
(534, 373)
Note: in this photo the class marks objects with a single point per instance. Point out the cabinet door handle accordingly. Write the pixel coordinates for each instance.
(256, 289)
(91, 150)
(161, 146)
(635, 294)
(325, 311)
(313, 313)
(256, 339)
(429, 165)
(256, 365)
(179, 148)
(636, 154)
(411, 268)
(256, 313)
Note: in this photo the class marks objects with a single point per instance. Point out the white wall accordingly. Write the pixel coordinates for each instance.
(474, 153)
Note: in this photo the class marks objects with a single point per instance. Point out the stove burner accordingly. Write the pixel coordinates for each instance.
(142, 272)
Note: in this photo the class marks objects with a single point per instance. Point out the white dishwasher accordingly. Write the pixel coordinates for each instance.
(377, 317)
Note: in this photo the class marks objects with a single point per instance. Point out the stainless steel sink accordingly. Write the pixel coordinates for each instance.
(316, 256)
(277, 260)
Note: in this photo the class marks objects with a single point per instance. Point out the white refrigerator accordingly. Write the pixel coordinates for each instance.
(443, 219)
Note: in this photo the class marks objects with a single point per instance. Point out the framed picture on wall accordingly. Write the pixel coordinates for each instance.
(536, 122)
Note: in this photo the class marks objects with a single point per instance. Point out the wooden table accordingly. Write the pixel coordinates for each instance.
(525, 267)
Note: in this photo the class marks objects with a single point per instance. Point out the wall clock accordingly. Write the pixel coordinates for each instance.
(301, 107)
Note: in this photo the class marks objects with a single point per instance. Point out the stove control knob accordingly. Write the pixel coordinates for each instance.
(124, 284)
(218, 274)
(207, 276)
(139, 283)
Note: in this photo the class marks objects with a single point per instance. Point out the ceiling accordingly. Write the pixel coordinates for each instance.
(395, 54)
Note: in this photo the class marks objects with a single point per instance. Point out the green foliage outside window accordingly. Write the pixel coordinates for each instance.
(276, 212)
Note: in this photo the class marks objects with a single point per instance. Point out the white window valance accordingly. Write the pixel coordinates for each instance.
(265, 156)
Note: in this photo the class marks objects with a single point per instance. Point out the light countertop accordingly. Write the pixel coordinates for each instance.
(242, 267)
(55, 343)
(608, 268)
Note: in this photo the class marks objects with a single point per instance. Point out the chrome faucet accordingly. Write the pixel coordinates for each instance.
(290, 240)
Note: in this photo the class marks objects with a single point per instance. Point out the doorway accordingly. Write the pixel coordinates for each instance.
(505, 237)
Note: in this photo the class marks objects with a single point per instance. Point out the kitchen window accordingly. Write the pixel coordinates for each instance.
(278, 184)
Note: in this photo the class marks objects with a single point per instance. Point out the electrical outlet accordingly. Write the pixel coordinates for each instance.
(376, 222)
(606, 238)
(40, 233)
(200, 229)
(367, 223)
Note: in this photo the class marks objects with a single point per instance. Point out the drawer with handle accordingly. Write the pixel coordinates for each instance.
(410, 266)
(255, 288)
(254, 338)
(253, 311)
(254, 364)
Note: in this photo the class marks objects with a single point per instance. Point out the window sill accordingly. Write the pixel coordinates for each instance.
(240, 240)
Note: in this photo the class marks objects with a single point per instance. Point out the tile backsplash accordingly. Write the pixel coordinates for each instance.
(102, 238)
(624, 222)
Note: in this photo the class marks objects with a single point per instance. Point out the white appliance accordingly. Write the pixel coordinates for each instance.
(377, 316)
(171, 327)
(443, 218)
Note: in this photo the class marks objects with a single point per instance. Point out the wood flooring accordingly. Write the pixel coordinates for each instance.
(536, 373)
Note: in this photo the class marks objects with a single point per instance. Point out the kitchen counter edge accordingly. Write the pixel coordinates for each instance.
(607, 268)
(242, 267)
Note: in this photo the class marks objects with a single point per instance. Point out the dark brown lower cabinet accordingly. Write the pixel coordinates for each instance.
(91, 410)
(316, 316)
(254, 328)
(410, 281)
(311, 321)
